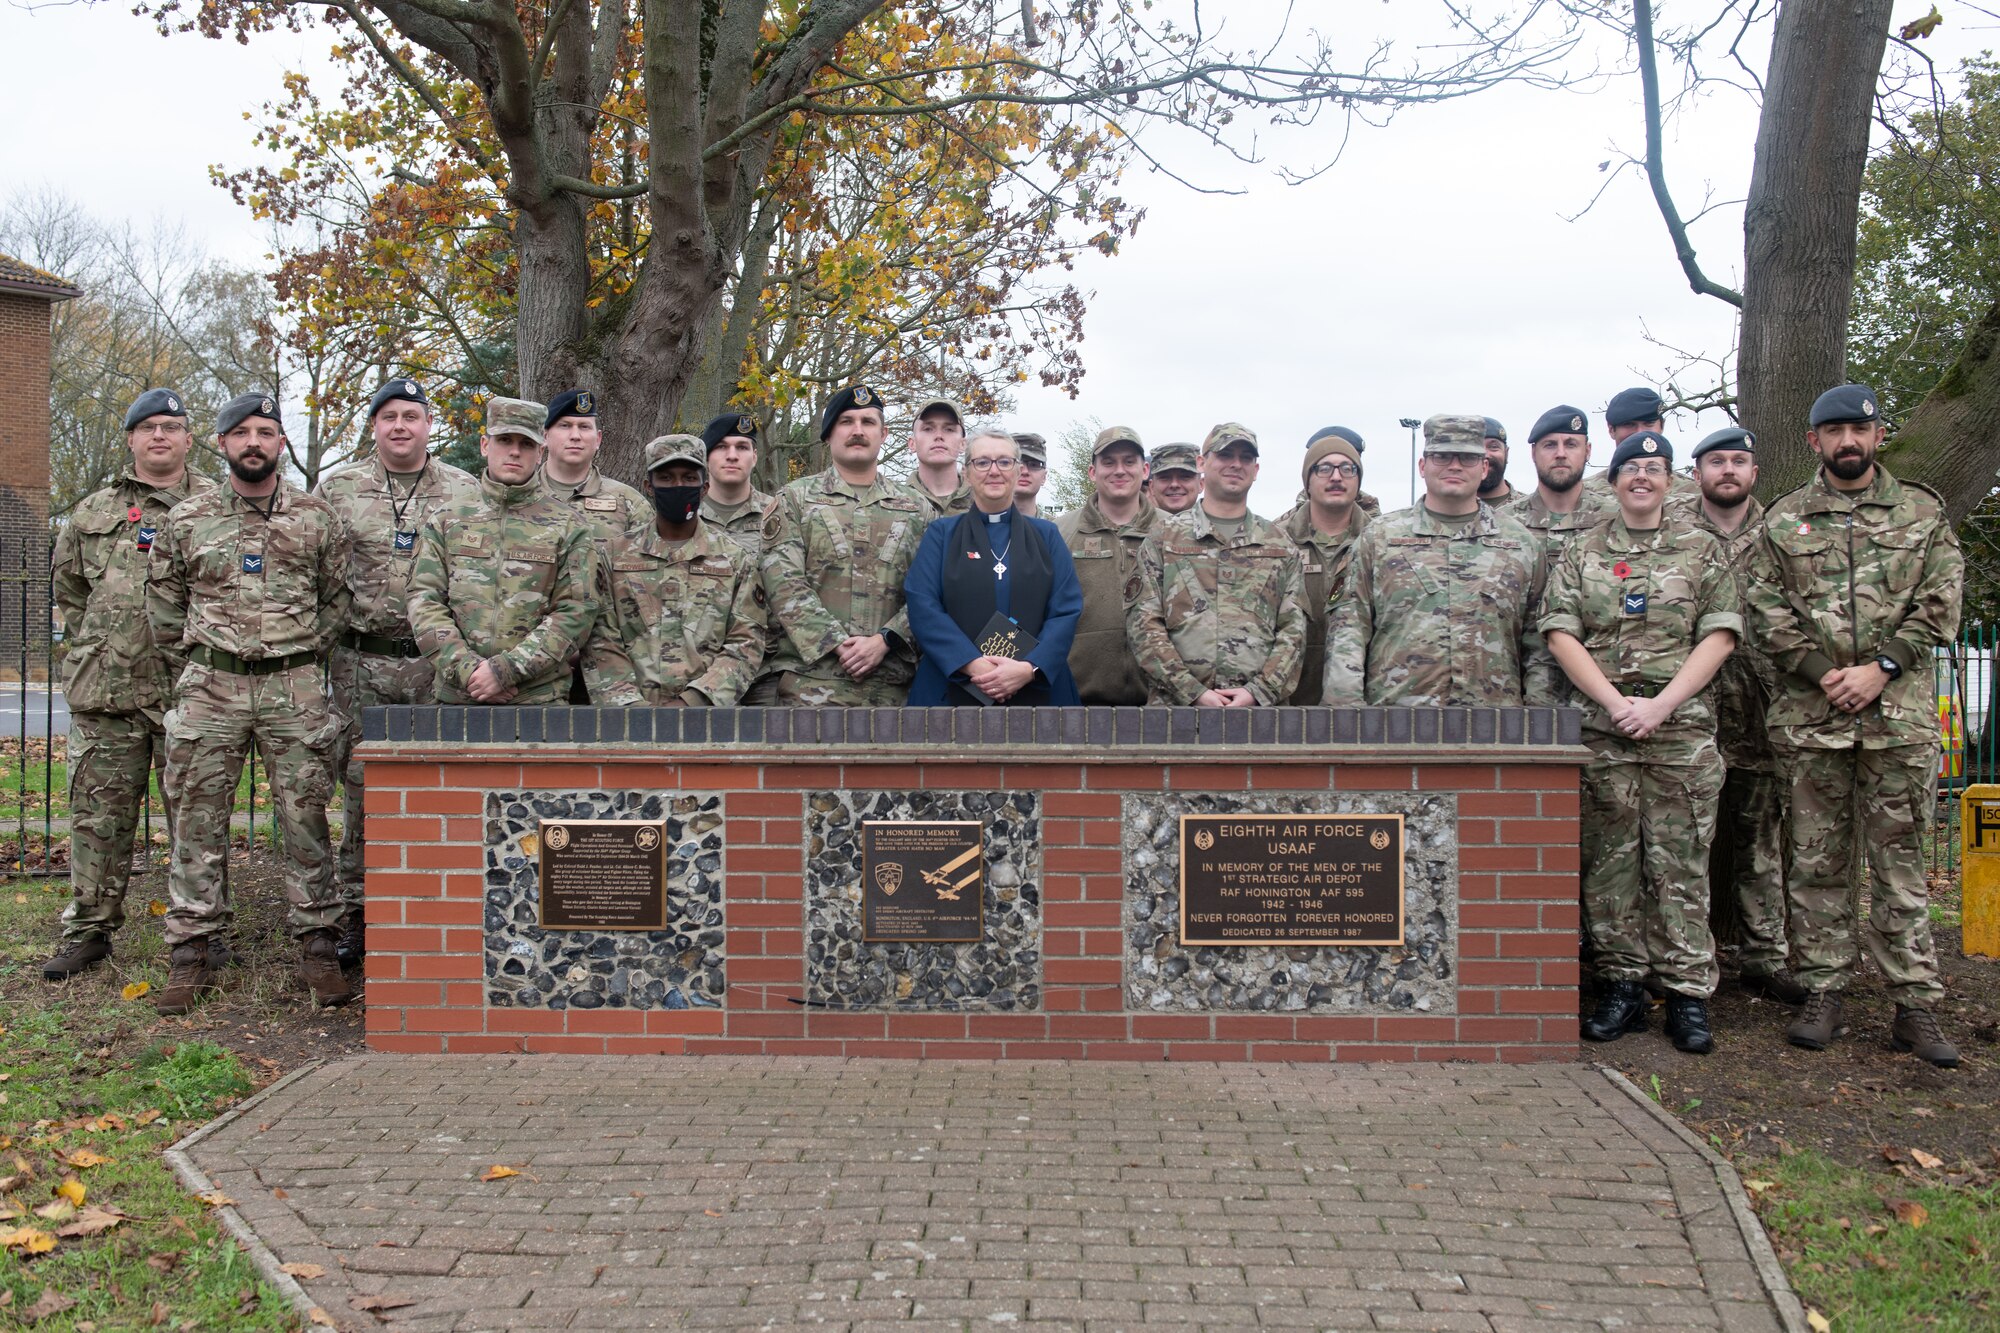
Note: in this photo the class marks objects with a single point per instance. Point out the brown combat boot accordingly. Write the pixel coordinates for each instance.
(1780, 985)
(352, 944)
(77, 955)
(188, 978)
(319, 968)
(1917, 1030)
(1818, 1023)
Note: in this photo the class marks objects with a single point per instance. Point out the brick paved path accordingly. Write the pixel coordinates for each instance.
(760, 1193)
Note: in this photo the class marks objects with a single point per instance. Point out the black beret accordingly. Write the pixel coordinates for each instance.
(1641, 444)
(1850, 402)
(1495, 431)
(853, 396)
(1561, 419)
(571, 403)
(1340, 433)
(238, 409)
(1630, 405)
(1729, 437)
(728, 424)
(155, 403)
(408, 391)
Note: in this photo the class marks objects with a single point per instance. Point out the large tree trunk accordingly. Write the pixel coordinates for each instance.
(1799, 224)
(552, 301)
(1952, 441)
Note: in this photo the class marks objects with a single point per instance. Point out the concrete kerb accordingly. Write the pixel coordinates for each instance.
(197, 1182)
(1791, 1311)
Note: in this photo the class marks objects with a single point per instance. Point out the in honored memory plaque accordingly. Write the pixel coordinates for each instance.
(603, 874)
(922, 881)
(1291, 879)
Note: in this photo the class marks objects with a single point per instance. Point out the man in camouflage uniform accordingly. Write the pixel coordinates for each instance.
(836, 549)
(1442, 597)
(1641, 612)
(114, 680)
(1493, 487)
(1213, 611)
(1562, 506)
(1324, 527)
(732, 506)
(1753, 793)
(683, 622)
(504, 587)
(1173, 478)
(1034, 451)
(1367, 503)
(937, 442)
(1856, 583)
(1103, 539)
(384, 501)
(609, 506)
(246, 592)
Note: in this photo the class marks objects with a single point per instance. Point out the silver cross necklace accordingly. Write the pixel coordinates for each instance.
(1000, 556)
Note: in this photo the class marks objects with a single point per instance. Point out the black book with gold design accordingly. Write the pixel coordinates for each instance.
(1000, 638)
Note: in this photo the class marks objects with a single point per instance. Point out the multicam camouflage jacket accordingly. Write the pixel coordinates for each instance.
(109, 662)
(1100, 657)
(1841, 577)
(243, 579)
(683, 622)
(1639, 602)
(508, 575)
(610, 507)
(1439, 614)
(1203, 613)
(835, 556)
(1556, 530)
(1748, 680)
(383, 519)
(1324, 562)
(742, 522)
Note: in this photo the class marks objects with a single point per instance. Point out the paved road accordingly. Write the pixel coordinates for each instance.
(37, 710)
(759, 1192)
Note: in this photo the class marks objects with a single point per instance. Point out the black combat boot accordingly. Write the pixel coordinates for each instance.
(1687, 1024)
(1621, 1008)
(352, 942)
(1818, 1023)
(1780, 985)
(77, 956)
(188, 978)
(1917, 1030)
(319, 968)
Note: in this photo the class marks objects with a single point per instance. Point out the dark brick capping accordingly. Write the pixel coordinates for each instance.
(1089, 728)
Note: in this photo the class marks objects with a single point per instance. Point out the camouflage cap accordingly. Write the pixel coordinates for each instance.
(1031, 445)
(515, 416)
(1175, 458)
(1111, 435)
(945, 404)
(1228, 433)
(676, 449)
(1455, 433)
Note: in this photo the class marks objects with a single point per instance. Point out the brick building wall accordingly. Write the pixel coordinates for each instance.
(26, 294)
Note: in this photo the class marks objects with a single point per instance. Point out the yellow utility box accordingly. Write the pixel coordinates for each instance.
(1979, 868)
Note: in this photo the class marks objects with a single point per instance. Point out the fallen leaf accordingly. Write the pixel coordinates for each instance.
(1922, 1111)
(160, 1314)
(85, 1158)
(1820, 1323)
(1759, 1186)
(306, 1271)
(57, 1210)
(321, 1317)
(1891, 1153)
(72, 1189)
(135, 989)
(1928, 1161)
(147, 1117)
(711, 1212)
(93, 1221)
(247, 1300)
(1873, 1229)
(498, 1173)
(108, 1121)
(20, 897)
(52, 1302)
(215, 1199)
(1910, 1213)
(278, 1192)
(156, 908)
(28, 1240)
(381, 1302)
(163, 1263)
(8, 1212)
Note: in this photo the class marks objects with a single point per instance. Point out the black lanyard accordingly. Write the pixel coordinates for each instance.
(408, 500)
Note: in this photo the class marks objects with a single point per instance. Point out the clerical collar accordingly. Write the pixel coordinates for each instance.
(1000, 517)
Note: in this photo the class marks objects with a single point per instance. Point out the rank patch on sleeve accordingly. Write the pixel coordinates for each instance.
(253, 564)
(1635, 603)
(145, 538)
(406, 541)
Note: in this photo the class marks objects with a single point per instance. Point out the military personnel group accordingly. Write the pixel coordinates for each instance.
(1760, 676)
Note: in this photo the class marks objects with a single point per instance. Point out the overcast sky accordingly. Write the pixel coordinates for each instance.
(1432, 270)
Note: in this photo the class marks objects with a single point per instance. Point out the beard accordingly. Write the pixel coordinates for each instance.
(1850, 467)
(1563, 487)
(244, 470)
(1494, 478)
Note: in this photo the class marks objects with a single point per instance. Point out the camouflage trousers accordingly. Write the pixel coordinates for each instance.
(1842, 802)
(1648, 819)
(110, 755)
(217, 715)
(884, 688)
(364, 680)
(1752, 819)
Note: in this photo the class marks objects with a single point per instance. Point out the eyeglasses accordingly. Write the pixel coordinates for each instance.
(1455, 460)
(990, 464)
(1331, 469)
(1650, 469)
(160, 428)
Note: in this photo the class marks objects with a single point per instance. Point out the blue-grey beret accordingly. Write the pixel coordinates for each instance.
(408, 391)
(1641, 444)
(1849, 402)
(1495, 431)
(1630, 405)
(244, 406)
(1353, 437)
(1729, 437)
(728, 424)
(571, 403)
(1559, 420)
(853, 396)
(155, 403)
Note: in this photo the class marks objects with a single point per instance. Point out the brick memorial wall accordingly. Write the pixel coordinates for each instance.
(1078, 952)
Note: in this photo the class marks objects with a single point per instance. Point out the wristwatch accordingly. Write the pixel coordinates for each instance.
(1889, 664)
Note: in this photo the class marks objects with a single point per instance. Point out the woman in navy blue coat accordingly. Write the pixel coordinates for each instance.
(983, 576)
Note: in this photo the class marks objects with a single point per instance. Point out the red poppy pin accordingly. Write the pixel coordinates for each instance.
(972, 555)
(1622, 570)
(135, 513)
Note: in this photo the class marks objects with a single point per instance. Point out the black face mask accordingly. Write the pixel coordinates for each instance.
(676, 504)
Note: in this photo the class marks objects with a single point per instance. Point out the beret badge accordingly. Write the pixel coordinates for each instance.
(1576, 423)
(173, 403)
(264, 405)
(862, 396)
(746, 425)
(584, 405)
(1650, 447)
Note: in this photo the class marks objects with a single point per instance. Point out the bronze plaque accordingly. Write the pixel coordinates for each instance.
(1291, 879)
(923, 880)
(603, 874)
